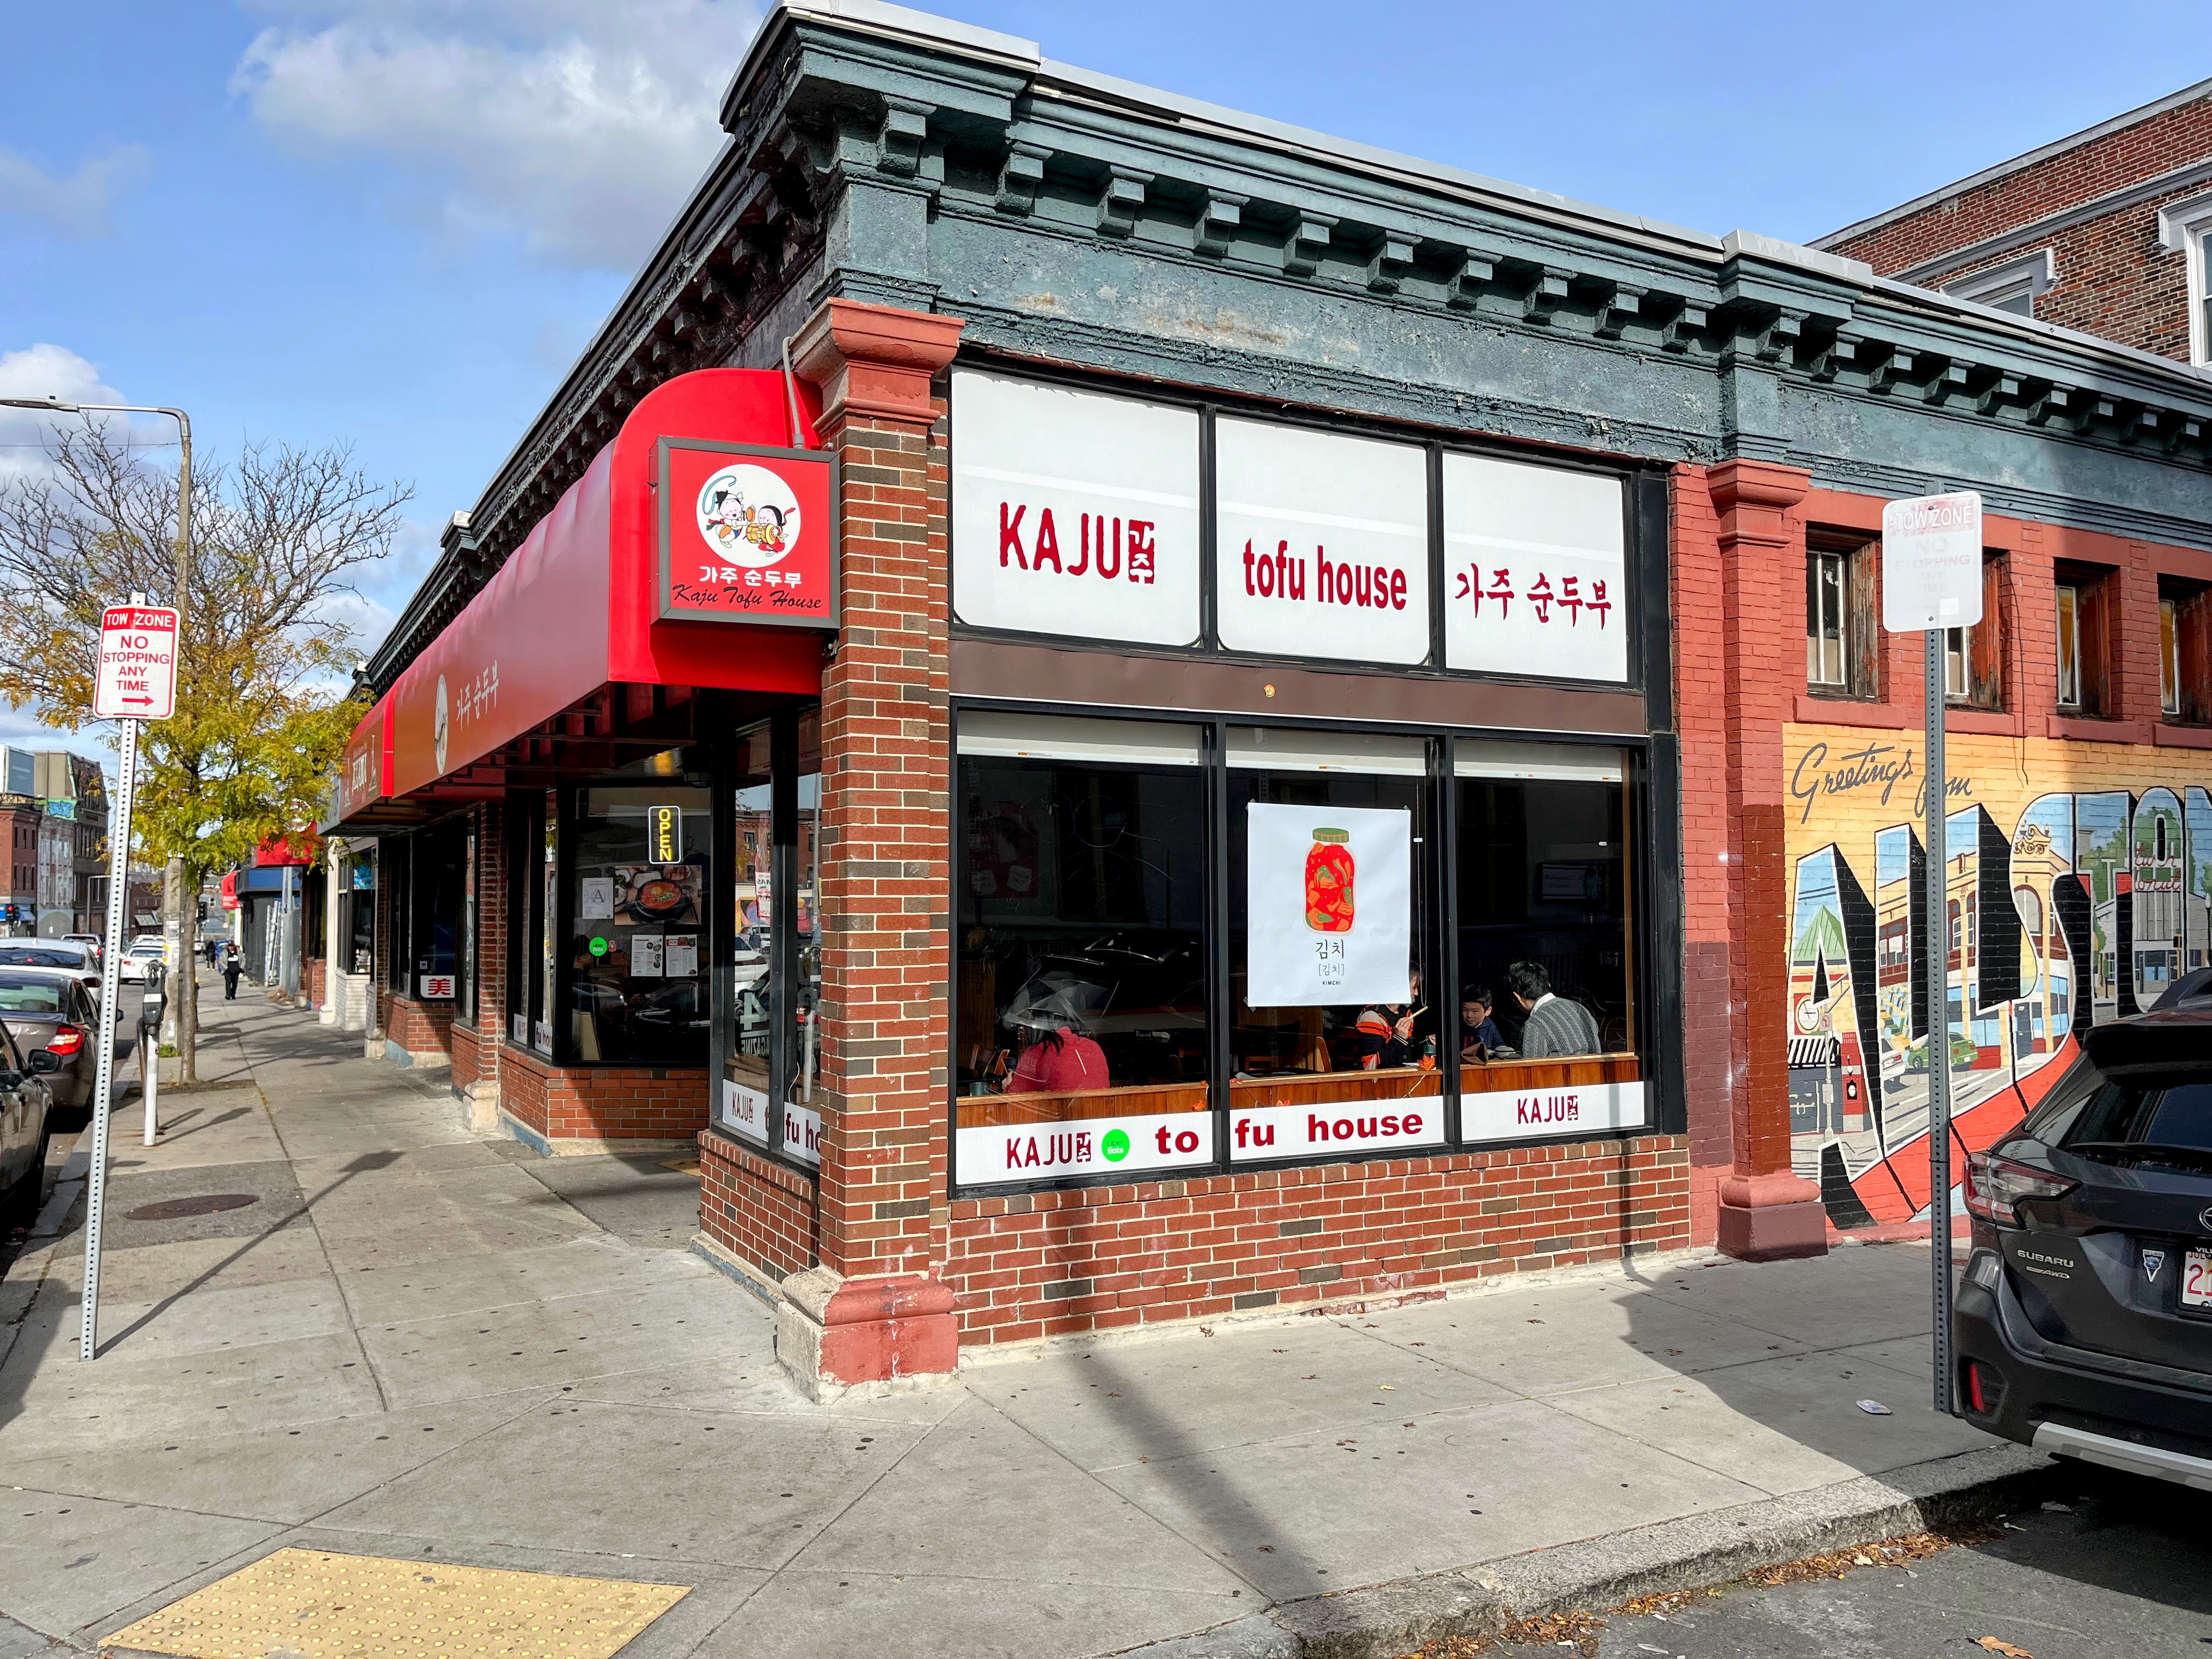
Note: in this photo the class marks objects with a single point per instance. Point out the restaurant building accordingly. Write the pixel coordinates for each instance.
(1059, 635)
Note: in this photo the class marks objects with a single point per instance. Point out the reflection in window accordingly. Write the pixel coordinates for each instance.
(1081, 966)
(775, 957)
(638, 875)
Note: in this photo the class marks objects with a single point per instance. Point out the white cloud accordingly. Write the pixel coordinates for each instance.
(79, 205)
(53, 371)
(577, 124)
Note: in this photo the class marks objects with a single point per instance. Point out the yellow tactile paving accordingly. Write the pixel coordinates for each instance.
(306, 1604)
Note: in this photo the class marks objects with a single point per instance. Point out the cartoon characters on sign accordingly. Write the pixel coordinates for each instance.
(2065, 908)
(748, 516)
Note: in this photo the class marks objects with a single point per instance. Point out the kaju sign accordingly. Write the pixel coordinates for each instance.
(1535, 570)
(1082, 1146)
(747, 533)
(1073, 512)
(1329, 905)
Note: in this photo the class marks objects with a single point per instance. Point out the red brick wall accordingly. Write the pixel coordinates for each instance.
(758, 1208)
(2112, 278)
(317, 980)
(420, 1027)
(1098, 1258)
(468, 1056)
(602, 1102)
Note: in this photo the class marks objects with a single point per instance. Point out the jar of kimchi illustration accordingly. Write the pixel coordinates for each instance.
(1328, 882)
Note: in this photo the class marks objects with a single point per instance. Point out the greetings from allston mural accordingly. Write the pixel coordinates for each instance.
(2078, 884)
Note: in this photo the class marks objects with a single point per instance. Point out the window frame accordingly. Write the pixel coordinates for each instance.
(1655, 1001)
(2185, 652)
(1859, 562)
(2184, 228)
(2025, 276)
(2092, 587)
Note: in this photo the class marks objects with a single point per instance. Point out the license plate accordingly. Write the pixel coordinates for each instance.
(2196, 1280)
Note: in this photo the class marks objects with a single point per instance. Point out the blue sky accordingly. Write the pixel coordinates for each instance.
(392, 223)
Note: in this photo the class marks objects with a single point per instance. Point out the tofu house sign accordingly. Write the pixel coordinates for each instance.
(1079, 514)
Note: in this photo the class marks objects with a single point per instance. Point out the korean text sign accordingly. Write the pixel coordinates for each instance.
(747, 533)
(1073, 512)
(1329, 896)
(1535, 568)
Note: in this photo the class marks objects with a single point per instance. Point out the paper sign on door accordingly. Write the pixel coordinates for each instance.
(1329, 891)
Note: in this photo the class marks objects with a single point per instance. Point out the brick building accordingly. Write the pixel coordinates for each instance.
(2103, 231)
(1276, 589)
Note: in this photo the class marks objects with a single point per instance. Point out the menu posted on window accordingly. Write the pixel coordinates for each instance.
(1329, 891)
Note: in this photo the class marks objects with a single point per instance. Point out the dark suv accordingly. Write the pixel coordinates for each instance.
(2084, 1323)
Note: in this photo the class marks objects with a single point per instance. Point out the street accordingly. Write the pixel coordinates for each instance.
(2117, 1568)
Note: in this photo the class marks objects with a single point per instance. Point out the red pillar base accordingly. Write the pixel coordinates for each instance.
(1771, 1218)
(885, 1333)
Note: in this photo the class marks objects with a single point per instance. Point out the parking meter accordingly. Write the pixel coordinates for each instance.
(157, 997)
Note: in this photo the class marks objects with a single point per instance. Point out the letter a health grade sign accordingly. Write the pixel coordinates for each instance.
(136, 679)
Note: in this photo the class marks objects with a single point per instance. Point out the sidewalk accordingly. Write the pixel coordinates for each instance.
(413, 1342)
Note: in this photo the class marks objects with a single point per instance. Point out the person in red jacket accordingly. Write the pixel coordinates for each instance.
(1059, 1062)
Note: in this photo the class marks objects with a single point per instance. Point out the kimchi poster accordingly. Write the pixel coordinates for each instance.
(1329, 896)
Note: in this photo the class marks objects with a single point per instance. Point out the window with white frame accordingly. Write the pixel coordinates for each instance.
(2013, 286)
(2183, 228)
(1827, 658)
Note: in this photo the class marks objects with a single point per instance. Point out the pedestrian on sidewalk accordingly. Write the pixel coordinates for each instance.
(231, 967)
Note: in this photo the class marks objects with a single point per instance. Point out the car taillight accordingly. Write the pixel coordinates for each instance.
(68, 1039)
(1995, 1186)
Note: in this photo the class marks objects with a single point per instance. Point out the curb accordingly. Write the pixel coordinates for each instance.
(1694, 1552)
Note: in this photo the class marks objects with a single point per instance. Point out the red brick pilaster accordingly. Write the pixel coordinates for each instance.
(1765, 1211)
(880, 1309)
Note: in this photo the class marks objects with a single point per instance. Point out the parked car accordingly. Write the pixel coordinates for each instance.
(59, 954)
(26, 1124)
(49, 1010)
(2084, 1322)
(92, 942)
(132, 968)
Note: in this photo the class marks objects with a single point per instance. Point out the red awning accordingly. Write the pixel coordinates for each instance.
(579, 606)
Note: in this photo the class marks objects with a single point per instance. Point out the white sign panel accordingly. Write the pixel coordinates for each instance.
(137, 679)
(746, 1110)
(802, 1132)
(1263, 1132)
(1083, 1146)
(1535, 570)
(1329, 891)
(646, 960)
(1073, 513)
(437, 988)
(1574, 1109)
(1322, 543)
(1931, 563)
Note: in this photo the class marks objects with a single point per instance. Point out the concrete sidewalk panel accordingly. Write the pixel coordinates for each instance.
(280, 1474)
(1113, 1403)
(732, 1488)
(156, 1272)
(816, 1615)
(210, 1318)
(69, 1406)
(574, 1340)
(68, 1561)
(1868, 1294)
(760, 1383)
(1331, 1511)
(1563, 1337)
(982, 1497)
(1784, 1426)
(470, 1281)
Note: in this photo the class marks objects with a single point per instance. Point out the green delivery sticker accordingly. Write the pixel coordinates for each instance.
(1115, 1145)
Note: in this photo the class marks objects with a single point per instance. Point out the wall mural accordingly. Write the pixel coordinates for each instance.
(2080, 886)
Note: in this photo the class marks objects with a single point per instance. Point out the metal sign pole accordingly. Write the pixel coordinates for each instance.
(119, 898)
(1937, 907)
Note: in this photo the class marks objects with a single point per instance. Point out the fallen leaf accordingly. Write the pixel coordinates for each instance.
(1387, 1387)
(2006, 1649)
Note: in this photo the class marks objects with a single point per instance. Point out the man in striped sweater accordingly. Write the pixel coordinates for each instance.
(1554, 1025)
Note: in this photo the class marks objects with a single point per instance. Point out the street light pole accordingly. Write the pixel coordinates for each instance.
(183, 1016)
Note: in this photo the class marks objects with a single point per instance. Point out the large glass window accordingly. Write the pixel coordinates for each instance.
(1081, 1015)
(637, 914)
(1334, 1022)
(437, 902)
(530, 827)
(771, 975)
(1546, 1026)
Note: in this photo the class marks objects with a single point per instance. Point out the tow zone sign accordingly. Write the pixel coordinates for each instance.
(137, 676)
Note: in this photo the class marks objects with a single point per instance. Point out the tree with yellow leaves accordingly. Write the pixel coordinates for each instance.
(264, 701)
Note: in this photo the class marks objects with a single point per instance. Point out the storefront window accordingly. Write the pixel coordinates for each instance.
(1334, 1007)
(637, 894)
(529, 962)
(1081, 1023)
(437, 901)
(398, 894)
(465, 959)
(361, 913)
(1546, 1027)
(547, 923)
(775, 956)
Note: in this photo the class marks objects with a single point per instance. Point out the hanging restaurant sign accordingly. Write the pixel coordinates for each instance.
(747, 533)
(1073, 512)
